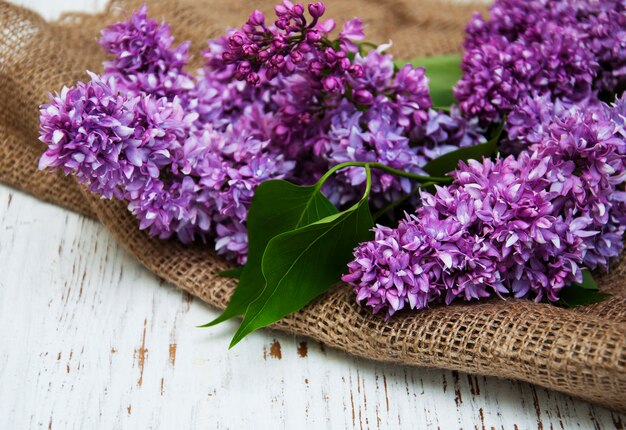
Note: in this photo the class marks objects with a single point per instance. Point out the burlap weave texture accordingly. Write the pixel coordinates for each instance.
(578, 351)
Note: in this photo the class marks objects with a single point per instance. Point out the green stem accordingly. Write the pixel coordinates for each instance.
(368, 184)
(421, 178)
(379, 166)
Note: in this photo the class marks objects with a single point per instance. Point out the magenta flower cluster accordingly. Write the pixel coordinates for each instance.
(177, 177)
(568, 49)
(284, 100)
(335, 102)
(261, 52)
(144, 59)
(187, 151)
(525, 225)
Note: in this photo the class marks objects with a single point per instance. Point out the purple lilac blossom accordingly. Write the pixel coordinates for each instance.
(261, 52)
(144, 58)
(375, 136)
(178, 178)
(524, 225)
(331, 109)
(568, 49)
(313, 76)
(445, 132)
(367, 136)
(201, 144)
(529, 121)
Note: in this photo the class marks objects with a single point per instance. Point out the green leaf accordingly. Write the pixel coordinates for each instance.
(277, 206)
(588, 282)
(232, 273)
(443, 72)
(576, 295)
(582, 294)
(448, 162)
(301, 264)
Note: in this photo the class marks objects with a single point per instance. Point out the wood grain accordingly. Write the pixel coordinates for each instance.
(90, 339)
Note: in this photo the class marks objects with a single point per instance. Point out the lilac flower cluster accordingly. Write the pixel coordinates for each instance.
(337, 103)
(525, 225)
(567, 49)
(376, 136)
(177, 178)
(144, 59)
(174, 147)
(261, 52)
(187, 151)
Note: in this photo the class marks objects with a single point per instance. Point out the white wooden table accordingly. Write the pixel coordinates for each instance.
(90, 339)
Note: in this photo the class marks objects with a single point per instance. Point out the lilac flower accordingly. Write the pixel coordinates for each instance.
(178, 179)
(119, 146)
(376, 135)
(145, 60)
(406, 91)
(500, 72)
(423, 260)
(589, 156)
(445, 132)
(604, 24)
(351, 32)
(525, 225)
(187, 152)
(562, 48)
(529, 121)
(367, 136)
(260, 52)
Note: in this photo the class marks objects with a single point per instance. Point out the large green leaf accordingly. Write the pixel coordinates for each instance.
(232, 273)
(448, 162)
(301, 264)
(278, 206)
(588, 282)
(576, 295)
(443, 72)
(582, 294)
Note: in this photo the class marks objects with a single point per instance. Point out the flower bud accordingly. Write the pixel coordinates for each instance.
(280, 10)
(282, 23)
(363, 97)
(256, 18)
(317, 9)
(237, 39)
(244, 68)
(278, 61)
(253, 78)
(356, 71)
(313, 36)
(316, 68)
(296, 57)
(281, 131)
(297, 10)
(263, 56)
(330, 55)
(332, 84)
(250, 49)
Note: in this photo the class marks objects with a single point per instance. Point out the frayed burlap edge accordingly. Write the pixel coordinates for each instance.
(581, 351)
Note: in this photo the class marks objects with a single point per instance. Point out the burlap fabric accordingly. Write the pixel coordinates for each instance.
(581, 352)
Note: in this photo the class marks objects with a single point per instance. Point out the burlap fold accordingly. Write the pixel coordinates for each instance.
(581, 351)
